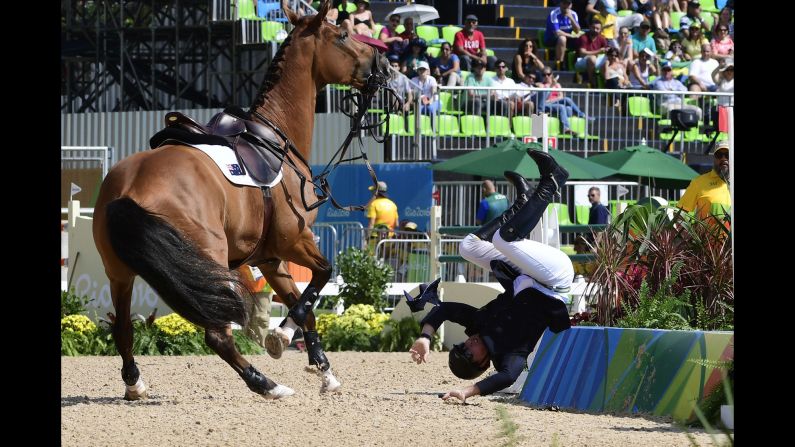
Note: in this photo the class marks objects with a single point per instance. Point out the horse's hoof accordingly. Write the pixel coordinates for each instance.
(330, 383)
(276, 342)
(278, 392)
(136, 392)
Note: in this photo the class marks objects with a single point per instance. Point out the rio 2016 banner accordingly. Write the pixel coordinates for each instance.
(409, 185)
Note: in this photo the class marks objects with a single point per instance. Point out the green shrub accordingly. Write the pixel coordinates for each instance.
(365, 278)
(660, 310)
(358, 329)
(400, 336)
(72, 304)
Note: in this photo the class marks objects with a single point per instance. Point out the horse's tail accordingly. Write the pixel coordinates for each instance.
(199, 289)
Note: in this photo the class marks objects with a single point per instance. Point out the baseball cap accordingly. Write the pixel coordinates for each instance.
(381, 186)
(471, 17)
(667, 64)
(649, 52)
(393, 58)
(693, 3)
(422, 64)
(719, 146)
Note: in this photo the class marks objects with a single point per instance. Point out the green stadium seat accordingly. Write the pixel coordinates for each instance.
(499, 126)
(625, 12)
(583, 213)
(425, 125)
(448, 32)
(428, 32)
(447, 107)
(691, 135)
(448, 126)
(614, 206)
(246, 9)
(489, 52)
(433, 51)
(377, 30)
(675, 18)
(708, 19)
(563, 212)
(269, 30)
(641, 106)
(708, 6)
(578, 126)
(464, 75)
(351, 7)
(489, 74)
(522, 126)
(553, 128)
(473, 126)
(397, 125)
(400, 28)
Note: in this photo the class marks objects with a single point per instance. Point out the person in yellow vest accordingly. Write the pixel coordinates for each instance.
(259, 307)
(382, 211)
(708, 194)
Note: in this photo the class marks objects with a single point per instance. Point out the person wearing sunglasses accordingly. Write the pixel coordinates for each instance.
(722, 45)
(535, 277)
(469, 45)
(708, 194)
(598, 215)
(391, 38)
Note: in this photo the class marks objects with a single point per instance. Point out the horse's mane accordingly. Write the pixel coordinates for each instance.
(274, 72)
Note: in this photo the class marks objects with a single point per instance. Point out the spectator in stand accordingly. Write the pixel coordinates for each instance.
(528, 99)
(724, 78)
(615, 71)
(409, 32)
(391, 38)
(400, 83)
(690, 20)
(470, 44)
(701, 69)
(642, 40)
(526, 61)
(592, 52)
(601, 12)
(361, 20)
(492, 205)
(624, 47)
(725, 19)
(598, 215)
(662, 14)
(722, 45)
(561, 30)
(429, 102)
(415, 54)
(556, 101)
(505, 98)
(338, 13)
(669, 102)
(447, 67)
(693, 44)
(640, 70)
(476, 99)
(675, 53)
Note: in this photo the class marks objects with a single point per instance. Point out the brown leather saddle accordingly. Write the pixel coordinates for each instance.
(257, 148)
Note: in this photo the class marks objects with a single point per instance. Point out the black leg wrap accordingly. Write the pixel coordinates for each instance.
(315, 351)
(130, 374)
(256, 381)
(301, 309)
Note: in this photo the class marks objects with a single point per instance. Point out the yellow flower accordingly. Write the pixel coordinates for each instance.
(78, 323)
(173, 325)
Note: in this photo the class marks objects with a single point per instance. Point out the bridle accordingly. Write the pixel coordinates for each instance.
(358, 102)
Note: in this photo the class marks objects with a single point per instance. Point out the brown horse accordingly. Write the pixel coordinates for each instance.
(170, 216)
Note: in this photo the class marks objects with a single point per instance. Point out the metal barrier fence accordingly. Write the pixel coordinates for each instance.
(583, 120)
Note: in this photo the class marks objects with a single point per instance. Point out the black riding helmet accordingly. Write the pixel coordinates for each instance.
(460, 363)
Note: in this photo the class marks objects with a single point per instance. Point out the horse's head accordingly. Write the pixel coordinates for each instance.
(337, 58)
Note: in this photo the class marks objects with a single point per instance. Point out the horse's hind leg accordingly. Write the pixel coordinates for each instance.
(222, 342)
(121, 292)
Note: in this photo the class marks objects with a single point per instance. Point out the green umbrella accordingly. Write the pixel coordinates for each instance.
(648, 166)
(511, 155)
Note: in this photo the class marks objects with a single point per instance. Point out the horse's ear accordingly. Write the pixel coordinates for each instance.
(291, 15)
(321, 14)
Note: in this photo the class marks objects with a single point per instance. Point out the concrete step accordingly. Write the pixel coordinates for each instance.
(524, 2)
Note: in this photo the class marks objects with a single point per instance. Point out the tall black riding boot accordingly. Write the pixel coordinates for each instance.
(553, 177)
(486, 232)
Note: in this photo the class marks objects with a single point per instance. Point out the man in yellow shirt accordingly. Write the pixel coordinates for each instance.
(382, 211)
(708, 194)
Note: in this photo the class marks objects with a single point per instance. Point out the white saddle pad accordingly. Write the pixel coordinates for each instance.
(230, 166)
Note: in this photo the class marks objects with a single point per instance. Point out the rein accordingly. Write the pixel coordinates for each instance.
(360, 102)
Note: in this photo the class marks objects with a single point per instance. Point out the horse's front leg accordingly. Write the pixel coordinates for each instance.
(223, 343)
(300, 315)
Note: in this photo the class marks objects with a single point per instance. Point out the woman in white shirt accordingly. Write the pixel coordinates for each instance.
(429, 103)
